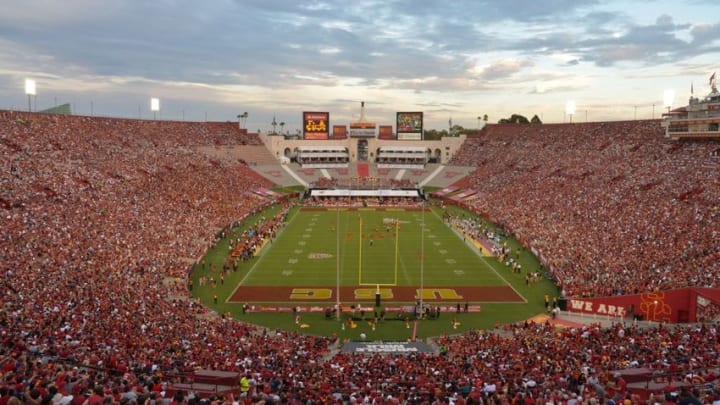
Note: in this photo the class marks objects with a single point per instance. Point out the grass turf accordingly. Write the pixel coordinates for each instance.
(305, 253)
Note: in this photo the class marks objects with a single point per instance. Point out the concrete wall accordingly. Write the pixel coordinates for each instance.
(447, 146)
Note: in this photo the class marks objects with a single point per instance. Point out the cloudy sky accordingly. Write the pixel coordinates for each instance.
(451, 59)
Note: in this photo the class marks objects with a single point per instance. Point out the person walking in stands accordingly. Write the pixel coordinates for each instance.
(618, 387)
(244, 385)
(687, 398)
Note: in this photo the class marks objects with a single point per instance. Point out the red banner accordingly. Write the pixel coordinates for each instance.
(681, 305)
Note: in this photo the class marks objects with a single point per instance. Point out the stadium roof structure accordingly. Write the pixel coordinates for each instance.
(364, 193)
(404, 149)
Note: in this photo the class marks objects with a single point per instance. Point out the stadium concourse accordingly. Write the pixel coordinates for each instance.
(99, 214)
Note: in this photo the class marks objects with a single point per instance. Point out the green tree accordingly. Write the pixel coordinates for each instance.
(535, 120)
(433, 134)
(514, 119)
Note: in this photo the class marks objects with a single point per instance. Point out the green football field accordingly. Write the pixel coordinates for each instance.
(370, 247)
(324, 256)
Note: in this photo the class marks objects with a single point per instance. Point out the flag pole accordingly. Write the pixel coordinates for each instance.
(422, 257)
(397, 239)
(337, 260)
(360, 252)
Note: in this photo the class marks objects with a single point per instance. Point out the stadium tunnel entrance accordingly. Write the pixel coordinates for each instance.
(362, 147)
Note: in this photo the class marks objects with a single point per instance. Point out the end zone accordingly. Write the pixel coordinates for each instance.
(483, 294)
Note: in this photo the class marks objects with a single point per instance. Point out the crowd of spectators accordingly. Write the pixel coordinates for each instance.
(480, 231)
(610, 208)
(524, 363)
(245, 245)
(97, 214)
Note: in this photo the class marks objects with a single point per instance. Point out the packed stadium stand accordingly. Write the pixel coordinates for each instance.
(99, 214)
(610, 208)
(253, 155)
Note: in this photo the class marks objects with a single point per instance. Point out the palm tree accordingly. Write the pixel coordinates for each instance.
(282, 125)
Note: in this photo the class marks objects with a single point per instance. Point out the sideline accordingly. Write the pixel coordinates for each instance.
(261, 256)
(483, 258)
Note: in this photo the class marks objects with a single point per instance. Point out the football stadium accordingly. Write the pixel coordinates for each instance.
(356, 250)
(198, 258)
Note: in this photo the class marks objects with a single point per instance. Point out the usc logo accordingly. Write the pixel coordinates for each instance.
(321, 294)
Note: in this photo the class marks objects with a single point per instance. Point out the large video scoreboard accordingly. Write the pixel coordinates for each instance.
(410, 125)
(316, 125)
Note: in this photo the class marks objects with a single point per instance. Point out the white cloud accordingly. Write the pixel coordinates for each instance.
(329, 50)
(283, 57)
(499, 69)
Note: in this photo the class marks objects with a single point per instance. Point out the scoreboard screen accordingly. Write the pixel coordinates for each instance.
(409, 125)
(316, 125)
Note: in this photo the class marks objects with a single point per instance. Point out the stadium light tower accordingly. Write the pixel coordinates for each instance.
(668, 98)
(570, 109)
(242, 119)
(154, 106)
(30, 90)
